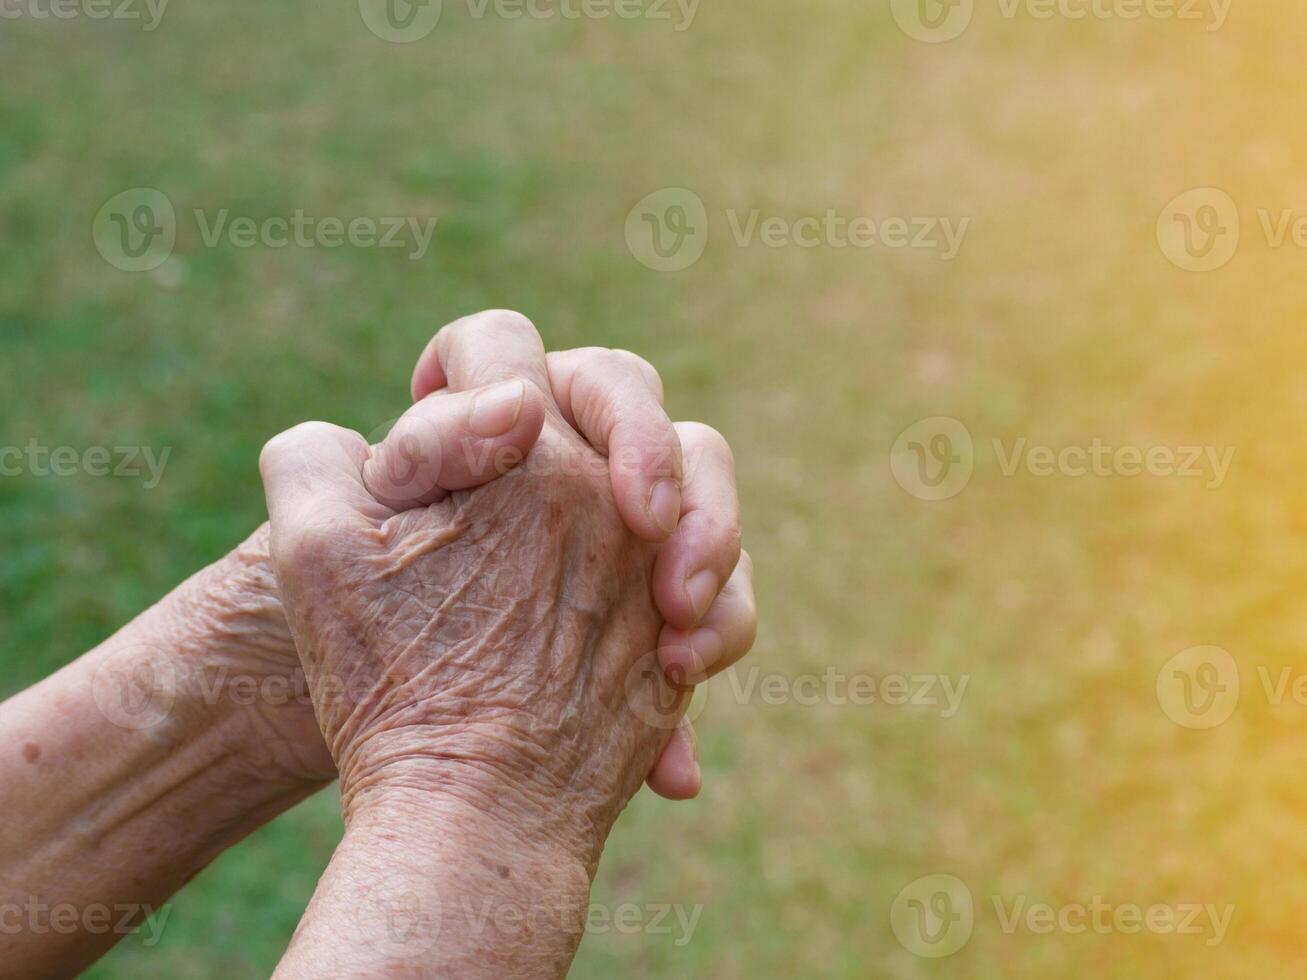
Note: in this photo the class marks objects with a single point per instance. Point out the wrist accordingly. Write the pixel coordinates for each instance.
(425, 886)
(489, 814)
(477, 781)
(220, 647)
(235, 608)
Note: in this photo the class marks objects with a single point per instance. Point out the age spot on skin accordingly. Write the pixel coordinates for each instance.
(503, 870)
(31, 752)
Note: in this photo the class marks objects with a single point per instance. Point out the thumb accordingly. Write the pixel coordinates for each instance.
(454, 441)
(311, 477)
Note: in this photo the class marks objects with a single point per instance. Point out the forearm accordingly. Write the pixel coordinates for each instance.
(428, 888)
(125, 773)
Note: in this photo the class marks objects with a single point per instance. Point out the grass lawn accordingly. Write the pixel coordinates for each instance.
(1056, 599)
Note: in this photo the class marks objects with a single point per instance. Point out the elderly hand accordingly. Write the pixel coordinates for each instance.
(673, 484)
(702, 581)
(482, 663)
(420, 626)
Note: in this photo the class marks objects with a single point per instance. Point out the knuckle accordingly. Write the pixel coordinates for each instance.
(747, 603)
(700, 439)
(311, 431)
(720, 538)
(608, 393)
(287, 442)
(507, 320)
(647, 371)
(749, 626)
(730, 541)
(272, 450)
(604, 370)
(586, 355)
(607, 366)
(740, 621)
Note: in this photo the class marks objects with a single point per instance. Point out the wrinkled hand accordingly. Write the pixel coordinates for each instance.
(614, 399)
(673, 484)
(494, 645)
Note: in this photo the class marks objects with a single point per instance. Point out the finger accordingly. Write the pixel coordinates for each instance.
(312, 477)
(454, 441)
(676, 775)
(614, 399)
(722, 637)
(495, 345)
(698, 559)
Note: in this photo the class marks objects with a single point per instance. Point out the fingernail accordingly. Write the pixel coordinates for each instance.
(665, 505)
(701, 587)
(686, 733)
(706, 645)
(496, 409)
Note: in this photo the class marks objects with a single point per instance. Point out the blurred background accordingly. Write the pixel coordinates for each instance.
(757, 196)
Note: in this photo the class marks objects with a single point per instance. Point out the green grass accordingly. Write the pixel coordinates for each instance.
(1060, 598)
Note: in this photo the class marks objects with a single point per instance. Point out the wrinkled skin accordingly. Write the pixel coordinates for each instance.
(238, 599)
(497, 645)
